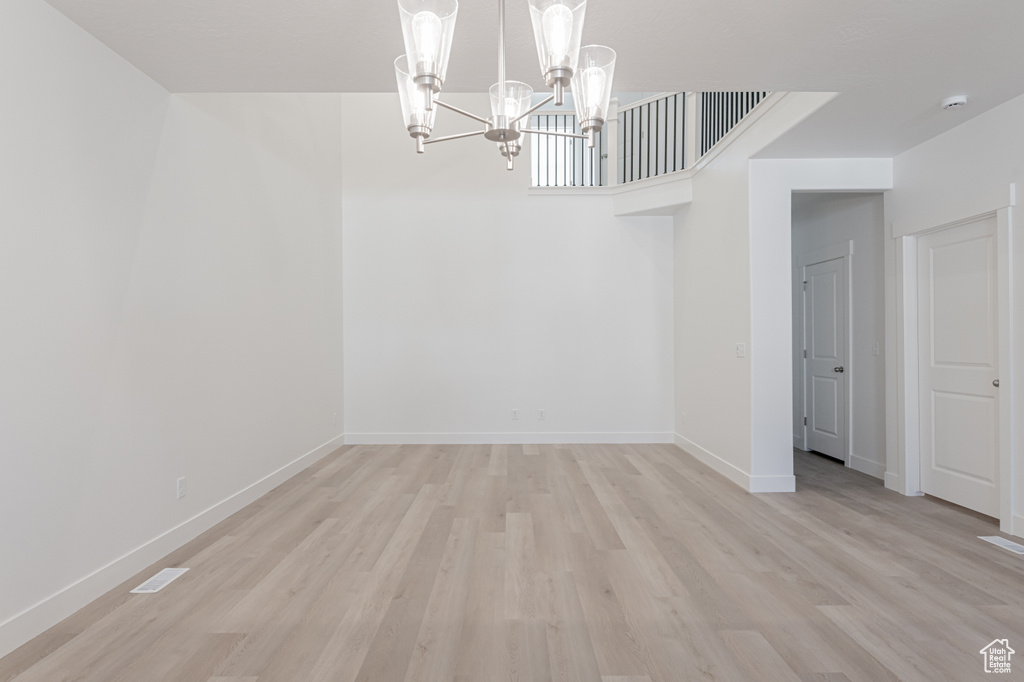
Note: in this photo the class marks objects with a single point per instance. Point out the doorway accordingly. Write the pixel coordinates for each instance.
(839, 327)
(825, 286)
(958, 364)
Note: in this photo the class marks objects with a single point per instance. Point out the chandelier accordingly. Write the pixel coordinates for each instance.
(428, 27)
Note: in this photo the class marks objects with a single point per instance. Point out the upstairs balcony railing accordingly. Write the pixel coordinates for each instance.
(565, 161)
(721, 111)
(652, 137)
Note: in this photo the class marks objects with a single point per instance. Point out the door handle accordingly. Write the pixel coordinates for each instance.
(996, 383)
(839, 369)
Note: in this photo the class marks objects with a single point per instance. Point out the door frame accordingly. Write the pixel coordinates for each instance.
(842, 250)
(907, 345)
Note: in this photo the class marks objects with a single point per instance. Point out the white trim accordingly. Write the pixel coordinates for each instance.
(586, 438)
(909, 426)
(772, 484)
(753, 484)
(798, 441)
(730, 471)
(982, 204)
(615, 190)
(1004, 274)
(866, 466)
(892, 481)
(908, 346)
(649, 100)
(826, 253)
(893, 411)
(38, 618)
(842, 250)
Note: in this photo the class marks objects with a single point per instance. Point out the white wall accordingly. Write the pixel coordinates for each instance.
(965, 172)
(170, 300)
(466, 298)
(732, 267)
(820, 221)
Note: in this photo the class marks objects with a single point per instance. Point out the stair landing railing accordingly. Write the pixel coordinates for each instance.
(655, 136)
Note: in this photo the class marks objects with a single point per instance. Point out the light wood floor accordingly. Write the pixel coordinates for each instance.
(597, 563)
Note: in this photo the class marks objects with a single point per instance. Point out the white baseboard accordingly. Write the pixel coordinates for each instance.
(867, 466)
(892, 482)
(772, 484)
(590, 438)
(39, 618)
(753, 484)
(730, 471)
(798, 442)
(1018, 526)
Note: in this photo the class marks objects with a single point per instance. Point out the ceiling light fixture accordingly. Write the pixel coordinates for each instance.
(428, 27)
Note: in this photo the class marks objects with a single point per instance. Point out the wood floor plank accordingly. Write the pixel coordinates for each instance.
(343, 656)
(757, 656)
(435, 656)
(570, 649)
(392, 647)
(519, 565)
(526, 653)
(482, 653)
(615, 643)
(595, 518)
(618, 563)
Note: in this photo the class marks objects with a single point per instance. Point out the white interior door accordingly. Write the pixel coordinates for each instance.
(958, 319)
(825, 344)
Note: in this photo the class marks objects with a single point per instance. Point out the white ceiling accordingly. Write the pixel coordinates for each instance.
(892, 60)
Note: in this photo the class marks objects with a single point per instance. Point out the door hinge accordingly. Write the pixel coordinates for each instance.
(805, 352)
(805, 286)
(805, 421)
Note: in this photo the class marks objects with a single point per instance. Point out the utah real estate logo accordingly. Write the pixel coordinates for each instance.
(997, 656)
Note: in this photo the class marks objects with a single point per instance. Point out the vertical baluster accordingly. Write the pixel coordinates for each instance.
(549, 143)
(649, 135)
(681, 130)
(579, 160)
(658, 141)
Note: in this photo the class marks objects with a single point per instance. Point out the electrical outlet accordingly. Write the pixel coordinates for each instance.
(181, 487)
(515, 414)
(540, 414)
(741, 350)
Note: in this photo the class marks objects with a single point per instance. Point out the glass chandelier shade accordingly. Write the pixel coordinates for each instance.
(419, 119)
(592, 85)
(558, 31)
(512, 102)
(428, 27)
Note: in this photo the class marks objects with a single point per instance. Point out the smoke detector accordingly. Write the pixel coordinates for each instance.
(954, 102)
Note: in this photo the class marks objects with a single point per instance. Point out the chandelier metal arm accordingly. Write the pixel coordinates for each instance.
(532, 109)
(501, 47)
(461, 111)
(454, 137)
(554, 133)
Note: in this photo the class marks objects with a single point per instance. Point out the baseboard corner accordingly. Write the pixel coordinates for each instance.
(772, 484)
(719, 465)
(867, 466)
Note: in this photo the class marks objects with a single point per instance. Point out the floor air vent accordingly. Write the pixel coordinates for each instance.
(162, 580)
(1003, 542)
